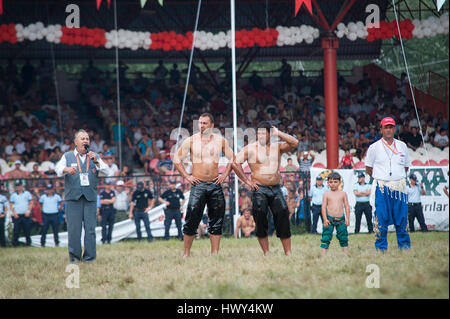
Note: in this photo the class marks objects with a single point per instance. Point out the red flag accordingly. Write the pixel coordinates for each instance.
(299, 3)
(99, 2)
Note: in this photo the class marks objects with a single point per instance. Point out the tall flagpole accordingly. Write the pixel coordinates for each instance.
(233, 77)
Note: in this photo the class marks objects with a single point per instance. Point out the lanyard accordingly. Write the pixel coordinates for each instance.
(87, 165)
(390, 157)
(387, 145)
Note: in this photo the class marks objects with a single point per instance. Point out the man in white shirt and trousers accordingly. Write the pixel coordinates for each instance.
(387, 162)
(80, 195)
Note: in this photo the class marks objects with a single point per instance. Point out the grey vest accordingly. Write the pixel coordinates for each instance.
(72, 188)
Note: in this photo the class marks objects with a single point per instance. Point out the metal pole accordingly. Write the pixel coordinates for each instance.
(233, 80)
(118, 86)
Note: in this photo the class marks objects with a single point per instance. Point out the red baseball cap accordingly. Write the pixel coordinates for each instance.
(387, 121)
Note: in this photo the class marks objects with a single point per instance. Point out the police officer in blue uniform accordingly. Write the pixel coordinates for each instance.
(51, 204)
(415, 205)
(141, 202)
(172, 198)
(315, 197)
(362, 193)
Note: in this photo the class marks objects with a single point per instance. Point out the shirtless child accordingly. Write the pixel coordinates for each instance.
(264, 159)
(333, 204)
(204, 149)
(245, 223)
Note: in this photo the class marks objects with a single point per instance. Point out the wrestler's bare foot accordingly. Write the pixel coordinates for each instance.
(345, 249)
(324, 251)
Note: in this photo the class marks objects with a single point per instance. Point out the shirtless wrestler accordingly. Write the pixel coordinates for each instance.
(263, 158)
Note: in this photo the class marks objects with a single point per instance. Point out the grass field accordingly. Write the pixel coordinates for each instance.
(134, 269)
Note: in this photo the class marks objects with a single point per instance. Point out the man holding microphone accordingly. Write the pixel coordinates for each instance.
(80, 169)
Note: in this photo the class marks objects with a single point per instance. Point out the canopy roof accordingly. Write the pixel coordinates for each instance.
(179, 16)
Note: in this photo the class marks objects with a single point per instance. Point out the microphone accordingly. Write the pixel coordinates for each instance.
(86, 147)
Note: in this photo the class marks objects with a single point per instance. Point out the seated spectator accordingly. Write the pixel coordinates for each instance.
(441, 139)
(246, 224)
(51, 144)
(318, 143)
(96, 145)
(50, 173)
(399, 100)
(348, 142)
(414, 139)
(347, 160)
(67, 145)
(145, 152)
(164, 163)
(290, 167)
(17, 172)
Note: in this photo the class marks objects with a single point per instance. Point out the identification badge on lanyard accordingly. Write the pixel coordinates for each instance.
(84, 179)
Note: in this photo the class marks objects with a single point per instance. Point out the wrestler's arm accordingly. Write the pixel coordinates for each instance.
(239, 159)
(181, 153)
(291, 142)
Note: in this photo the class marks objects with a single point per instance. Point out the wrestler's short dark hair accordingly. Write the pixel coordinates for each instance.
(211, 118)
(266, 125)
(334, 175)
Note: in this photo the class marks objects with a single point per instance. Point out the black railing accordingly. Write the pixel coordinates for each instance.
(295, 182)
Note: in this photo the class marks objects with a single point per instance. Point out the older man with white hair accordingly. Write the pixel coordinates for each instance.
(80, 169)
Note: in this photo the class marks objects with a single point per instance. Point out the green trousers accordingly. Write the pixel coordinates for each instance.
(341, 232)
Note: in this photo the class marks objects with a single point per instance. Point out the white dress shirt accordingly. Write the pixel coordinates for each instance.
(101, 167)
(386, 165)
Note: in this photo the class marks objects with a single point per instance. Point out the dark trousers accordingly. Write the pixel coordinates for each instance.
(366, 209)
(170, 214)
(22, 223)
(107, 225)
(2, 232)
(316, 211)
(47, 220)
(415, 211)
(138, 216)
(210, 195)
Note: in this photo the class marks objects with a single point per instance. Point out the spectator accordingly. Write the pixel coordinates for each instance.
(399, 100)
(175, 74)
(347, 161)
(50, 173)
(306, 161)
(290, 167)
(122, 202)
(348, 142)
(285, 74)
(17, 172)
(107, 212)
(20, 206)
(146, 151)
(164, 163)
(291, 198)
(51, 205)
(97, 144)
(246, 224)
(245, 202)
(160, 72)
(414, 140)
(36, 214)
(441, 139)
(51, 144)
